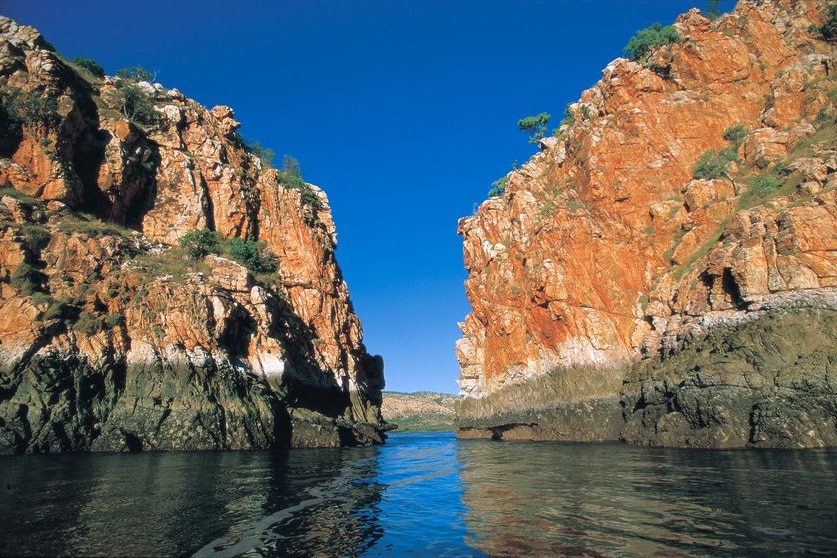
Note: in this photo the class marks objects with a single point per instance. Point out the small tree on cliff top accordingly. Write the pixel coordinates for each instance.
(712, 9)
(290, 176)
(90, 65)
(498, 187)
(136, 104)
(535, 126)
(136, 73)
(265, 154)
(647, 40)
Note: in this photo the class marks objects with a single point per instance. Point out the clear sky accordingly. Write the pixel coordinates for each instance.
(404, 111)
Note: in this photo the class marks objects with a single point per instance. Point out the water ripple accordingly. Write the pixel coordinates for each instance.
(424, 495)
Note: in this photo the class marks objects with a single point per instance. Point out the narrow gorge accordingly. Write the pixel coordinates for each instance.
(160, 286)
(664, 271)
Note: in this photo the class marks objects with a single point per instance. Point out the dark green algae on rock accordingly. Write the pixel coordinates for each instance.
(59, 403)
(768, 380)
(571, 404)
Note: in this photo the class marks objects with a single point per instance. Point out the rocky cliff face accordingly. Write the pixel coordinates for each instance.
(112, 336)
(615, 296)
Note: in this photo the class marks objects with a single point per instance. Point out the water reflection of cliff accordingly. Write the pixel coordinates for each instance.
(611, 500)
(298, 503)
(332, 509)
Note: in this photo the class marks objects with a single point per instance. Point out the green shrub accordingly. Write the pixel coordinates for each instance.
(764, 185)
(586, 112)
(41, 299)
(114, 320)
(498, 187)
(290, 176)
(735, 135)
(569, 116)
(90, 65)
(135, 73)
(85, 289)
(535, 126)
(712, 10)
(88, 323)
(21, 197)
(136, 105)
(26, 279)
(647, 40)
(252, 255)
(713, 164)
(265, 154)
(27, 108)
(35, 237)
(828, 30)
(59, 310)
(200, 243)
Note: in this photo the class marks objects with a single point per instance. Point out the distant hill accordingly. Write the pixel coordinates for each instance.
(423, 411)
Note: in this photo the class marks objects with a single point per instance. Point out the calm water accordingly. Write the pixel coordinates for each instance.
(424, 495)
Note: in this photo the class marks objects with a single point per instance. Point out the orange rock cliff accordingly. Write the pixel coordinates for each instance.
(112, 335)
(617, 297)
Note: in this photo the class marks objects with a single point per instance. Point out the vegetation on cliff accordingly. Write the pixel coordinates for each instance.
(535, 126)
(646, 41)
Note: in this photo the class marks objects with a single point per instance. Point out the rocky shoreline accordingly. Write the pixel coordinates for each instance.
(768, 382)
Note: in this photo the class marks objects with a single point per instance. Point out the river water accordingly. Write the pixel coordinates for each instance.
(423, 495)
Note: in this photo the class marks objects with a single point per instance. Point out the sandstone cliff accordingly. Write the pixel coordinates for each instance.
(615, 296)
(111, 336)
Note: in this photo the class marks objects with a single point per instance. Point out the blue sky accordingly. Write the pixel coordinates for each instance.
(404, 111)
